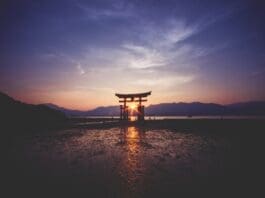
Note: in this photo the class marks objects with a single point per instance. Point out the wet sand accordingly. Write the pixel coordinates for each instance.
(157, 159)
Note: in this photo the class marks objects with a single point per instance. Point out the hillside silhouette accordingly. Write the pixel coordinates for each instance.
(16, 114)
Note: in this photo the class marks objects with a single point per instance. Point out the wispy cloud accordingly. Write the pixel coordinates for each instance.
(144, 57)
(161, 46)
(163, 82)
(114, 10)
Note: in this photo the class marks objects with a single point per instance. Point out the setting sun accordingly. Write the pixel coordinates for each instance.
(133, 106)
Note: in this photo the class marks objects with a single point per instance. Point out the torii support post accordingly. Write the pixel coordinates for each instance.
(137, 97)
(121, 111)
(140, 114)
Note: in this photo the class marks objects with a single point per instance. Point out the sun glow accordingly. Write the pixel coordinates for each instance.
(132, 106)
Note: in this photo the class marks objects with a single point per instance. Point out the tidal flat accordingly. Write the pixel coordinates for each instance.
(129, 161)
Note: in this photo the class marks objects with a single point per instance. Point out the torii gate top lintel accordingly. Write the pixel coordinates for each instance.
(133, 95)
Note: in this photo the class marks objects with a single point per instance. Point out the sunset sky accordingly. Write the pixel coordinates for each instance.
(78, 54)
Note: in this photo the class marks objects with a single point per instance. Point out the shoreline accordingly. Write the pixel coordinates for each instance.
(178, 123)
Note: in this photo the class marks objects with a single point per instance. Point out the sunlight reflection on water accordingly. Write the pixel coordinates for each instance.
(132, 169)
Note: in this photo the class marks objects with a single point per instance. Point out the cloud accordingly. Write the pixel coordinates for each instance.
(163, 82)
(174, 31)
(161, 47)
(114, 10)
(144, 57)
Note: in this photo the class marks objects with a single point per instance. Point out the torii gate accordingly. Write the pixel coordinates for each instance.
(136, 97)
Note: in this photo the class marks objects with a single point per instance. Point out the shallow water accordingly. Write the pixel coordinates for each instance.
(128, 161)
(233, 117)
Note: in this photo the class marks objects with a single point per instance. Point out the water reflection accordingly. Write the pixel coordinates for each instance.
(132, 169)
(132, 136)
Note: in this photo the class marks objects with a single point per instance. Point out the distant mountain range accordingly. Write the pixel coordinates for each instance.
(11, 110)
(99, 111)
(177, 109)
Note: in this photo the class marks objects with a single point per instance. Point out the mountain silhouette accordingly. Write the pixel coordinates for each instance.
(255, 108)
(48, 114)
(16, 114)
(99, 111)
(183, 109)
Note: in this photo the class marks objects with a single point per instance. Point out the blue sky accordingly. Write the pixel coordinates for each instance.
(77, 53)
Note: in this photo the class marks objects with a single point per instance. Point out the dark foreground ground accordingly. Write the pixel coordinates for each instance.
(165, 158)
